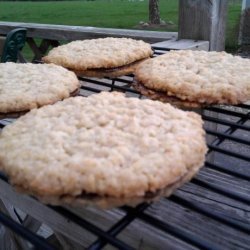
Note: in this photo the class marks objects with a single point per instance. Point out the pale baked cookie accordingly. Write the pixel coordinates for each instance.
(101, 57)
(27, 86)
(195, 78)
(105, 150)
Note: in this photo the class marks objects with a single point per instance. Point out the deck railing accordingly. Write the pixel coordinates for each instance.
(41, 37)
(198, 20)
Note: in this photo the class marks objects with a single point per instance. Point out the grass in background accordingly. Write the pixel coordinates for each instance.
(233, 26)
(99, 13)
(104, 13)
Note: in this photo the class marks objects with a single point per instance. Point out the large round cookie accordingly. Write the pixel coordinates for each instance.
(195, 78)
(105, 149)
(100, 57)
(27, 86)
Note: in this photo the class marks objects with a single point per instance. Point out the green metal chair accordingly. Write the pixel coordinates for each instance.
(14, 43)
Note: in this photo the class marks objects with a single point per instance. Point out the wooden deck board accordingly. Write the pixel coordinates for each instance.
(223, 208)
(225, 183)
(183, 44)
(43, 213)
(204, 229)
(138, 234)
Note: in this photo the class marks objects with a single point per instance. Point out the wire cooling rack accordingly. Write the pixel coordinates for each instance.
(210, 212)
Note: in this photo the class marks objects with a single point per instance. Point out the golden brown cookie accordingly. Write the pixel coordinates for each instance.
(161, 96)
(17, 114)
(196, 77)
(105, 149)
(27, 86)
(100, 57)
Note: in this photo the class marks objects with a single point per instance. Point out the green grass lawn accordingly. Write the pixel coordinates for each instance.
(99, 13)
(103, 13)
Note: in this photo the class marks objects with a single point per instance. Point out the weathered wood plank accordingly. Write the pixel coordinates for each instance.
(9, 240)
(69, 33)
(2, 41)
(43, 213)
(215, 197)
(201, 228)
(146, 236)
(203, 20)
(138, 234)
(244, 35)
(64, 243)
(226, 183)
(183, 44)
(210, 138)
(216, 205)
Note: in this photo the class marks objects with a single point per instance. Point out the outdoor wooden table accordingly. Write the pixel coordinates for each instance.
(210, 212)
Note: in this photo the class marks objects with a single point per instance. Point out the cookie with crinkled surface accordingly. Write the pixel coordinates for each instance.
(27, 86)
(195, 78)
(105, 150)
(101, 57)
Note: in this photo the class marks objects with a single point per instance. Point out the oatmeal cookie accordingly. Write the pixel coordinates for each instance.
(100, 57)
(197, 77)
(27, 86)
(104, 149)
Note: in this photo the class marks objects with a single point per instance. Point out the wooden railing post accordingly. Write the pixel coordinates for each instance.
(244, 36)
(203, 20)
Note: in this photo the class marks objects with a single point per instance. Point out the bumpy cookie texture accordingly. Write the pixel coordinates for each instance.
(198, 76)
(105, 147)
(27, 86)
(99, 53)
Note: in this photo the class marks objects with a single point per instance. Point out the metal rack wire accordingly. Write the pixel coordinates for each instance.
(210, 212)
